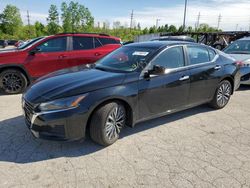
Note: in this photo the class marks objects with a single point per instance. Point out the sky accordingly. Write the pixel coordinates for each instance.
(235, 14)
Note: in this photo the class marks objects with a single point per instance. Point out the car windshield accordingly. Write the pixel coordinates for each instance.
(126, 59)
(31, 42)
(239, 47)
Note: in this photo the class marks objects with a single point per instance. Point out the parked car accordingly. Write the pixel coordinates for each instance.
(240, 50)
(136, 82)
(12, 42)
(20, 66)
(174, 38)
(3, 43)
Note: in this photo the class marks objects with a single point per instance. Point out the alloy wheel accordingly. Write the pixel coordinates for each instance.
(223, 94)
(115, 122)
(12, 82)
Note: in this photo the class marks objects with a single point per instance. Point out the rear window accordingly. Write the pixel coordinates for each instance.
(83, 43)
(105, 41)
(197, 55)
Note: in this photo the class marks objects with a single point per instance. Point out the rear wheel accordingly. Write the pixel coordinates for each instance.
(222, 95)
(107, 123)
(12, 81)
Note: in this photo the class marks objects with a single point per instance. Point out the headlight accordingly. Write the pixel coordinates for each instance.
(60, 104)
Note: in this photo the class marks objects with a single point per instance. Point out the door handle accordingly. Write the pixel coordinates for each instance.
(217, 67)
(97, 54)
(184, 78)
(62, 56)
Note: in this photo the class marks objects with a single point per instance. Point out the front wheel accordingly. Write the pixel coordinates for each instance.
(12, 81)
(107, 122)
(222, 95)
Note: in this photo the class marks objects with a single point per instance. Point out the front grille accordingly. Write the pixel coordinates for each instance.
(29, 111)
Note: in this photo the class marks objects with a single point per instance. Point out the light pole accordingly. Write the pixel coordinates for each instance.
(185, 12)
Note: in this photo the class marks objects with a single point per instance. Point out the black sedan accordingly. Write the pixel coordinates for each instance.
(135, 83)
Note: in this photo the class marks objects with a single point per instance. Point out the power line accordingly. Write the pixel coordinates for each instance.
(219, 21)
(131, 19)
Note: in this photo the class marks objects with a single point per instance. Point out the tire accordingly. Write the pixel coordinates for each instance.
(222, 95)
(103, 130)
(12, 81)
(218, 47)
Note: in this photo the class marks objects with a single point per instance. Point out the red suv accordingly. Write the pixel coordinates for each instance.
(43, 55)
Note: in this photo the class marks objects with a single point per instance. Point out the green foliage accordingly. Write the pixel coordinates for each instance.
(10, 20)
(53, 20)
(77, 18)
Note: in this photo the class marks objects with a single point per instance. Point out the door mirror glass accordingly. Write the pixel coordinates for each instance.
(157, 70)
(34, 51)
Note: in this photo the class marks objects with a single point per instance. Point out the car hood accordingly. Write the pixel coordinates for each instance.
(8, 52)
(240, 57)
(71, 82)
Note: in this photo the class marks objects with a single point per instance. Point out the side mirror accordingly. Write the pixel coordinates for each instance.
(34, 51)
(156, 70)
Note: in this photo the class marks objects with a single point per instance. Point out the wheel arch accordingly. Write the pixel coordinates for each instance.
(128, 107)
(17, 67)
(231, 80)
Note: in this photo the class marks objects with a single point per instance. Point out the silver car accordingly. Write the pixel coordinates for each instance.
(240, 51)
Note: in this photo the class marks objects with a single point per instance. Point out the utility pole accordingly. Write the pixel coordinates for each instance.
(185, 13)
(28, 19)
(131, 20)
(198, 20)
(236, 28)
(157, 22)
(219, 21)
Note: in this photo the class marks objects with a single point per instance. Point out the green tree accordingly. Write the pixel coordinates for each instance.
(10, 20)
(53, 20)
(76, 17)
(172, 29)
(39, 28)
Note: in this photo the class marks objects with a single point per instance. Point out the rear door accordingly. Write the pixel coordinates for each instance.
(84, 50)
(51, 56)
(204, 73)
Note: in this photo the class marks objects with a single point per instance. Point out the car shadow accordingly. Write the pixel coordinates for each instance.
(17, 145)
(244, 88)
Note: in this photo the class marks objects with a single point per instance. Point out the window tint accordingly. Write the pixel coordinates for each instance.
(105, 41)
(97, 43)
(83, 43)
(212, 54)
(171, 58)
(54, 45)
(197, 55)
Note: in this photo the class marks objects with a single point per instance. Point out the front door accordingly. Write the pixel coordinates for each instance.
(50, 56)
(168, 92)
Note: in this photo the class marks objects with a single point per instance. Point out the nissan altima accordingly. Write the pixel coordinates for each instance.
(135, 83)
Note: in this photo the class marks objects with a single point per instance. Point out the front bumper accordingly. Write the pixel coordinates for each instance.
(64, 125)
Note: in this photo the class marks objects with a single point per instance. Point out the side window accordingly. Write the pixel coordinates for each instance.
(170, 58)
(197, 55)
(105, 41)
(83, 43)
(54, 45)
(212, 54)
(97, 43)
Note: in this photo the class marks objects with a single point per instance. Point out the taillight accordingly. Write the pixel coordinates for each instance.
(239, 63)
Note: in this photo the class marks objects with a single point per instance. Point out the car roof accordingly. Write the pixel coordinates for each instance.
(100, 35)
(245, 38)
(158, 44)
